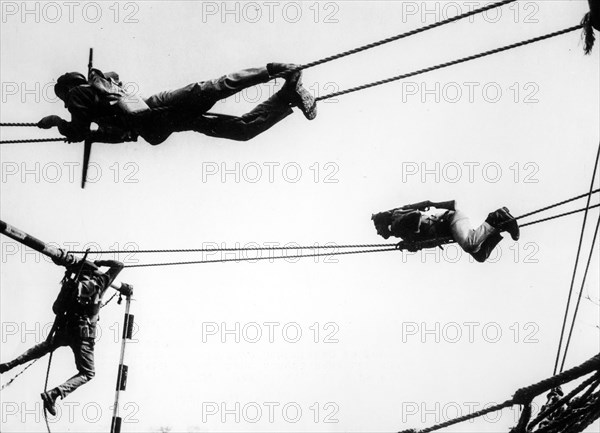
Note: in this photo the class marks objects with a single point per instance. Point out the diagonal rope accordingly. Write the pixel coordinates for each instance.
(587, 267)
(247, 259)
(562, 332)
(587, 194)
(400, 36)
(451, 63)
(35, 140)
(212, 250)
(18, 124)
(558, 216)
(7, 384)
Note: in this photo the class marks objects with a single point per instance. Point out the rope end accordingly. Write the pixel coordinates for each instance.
(588, 33)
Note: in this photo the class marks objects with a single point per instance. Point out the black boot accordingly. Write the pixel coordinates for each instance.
(298, 96)
(504, 221)
(277, 68)
(6, 367)
(49, 398)
(487, 247)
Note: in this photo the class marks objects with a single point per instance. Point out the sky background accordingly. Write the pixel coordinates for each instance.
(404, 340)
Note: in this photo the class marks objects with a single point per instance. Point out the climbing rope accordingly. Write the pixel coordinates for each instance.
(246, 259)
(34, 140)
(46, 388)
(209, 250)
(7, 384)
(587, 267)
(18, 124)
(451, 63)
(397, 37)
(583, 225)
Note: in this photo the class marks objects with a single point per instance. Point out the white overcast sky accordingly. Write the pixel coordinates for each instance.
(412, 339)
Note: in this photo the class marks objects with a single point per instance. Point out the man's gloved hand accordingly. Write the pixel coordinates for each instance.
(49, 121)
(109, 263)
(126, 289)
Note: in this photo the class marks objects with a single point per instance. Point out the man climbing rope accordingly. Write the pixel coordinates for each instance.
(417, 223)
(77, 310)
(101, 99)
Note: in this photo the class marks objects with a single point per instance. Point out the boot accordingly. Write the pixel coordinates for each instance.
(511, 225)
(487, 247)
(504, 221)
(277, 68)
(49, 398)
(6, 367)
(298, 96)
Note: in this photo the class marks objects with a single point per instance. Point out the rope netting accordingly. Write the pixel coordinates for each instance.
(572, 413)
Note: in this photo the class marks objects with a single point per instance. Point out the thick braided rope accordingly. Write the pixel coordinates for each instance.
(507, 403)
(526, 394)
(247, 259)
(35, 140)
(451, 63)
(576, 416)
(397, 37)
(18, 124)
(212, 250)
(544, 414)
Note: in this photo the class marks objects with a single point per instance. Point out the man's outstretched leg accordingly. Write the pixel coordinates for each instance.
(35, 352)
(83, 350)
(480, 242)
(248, 126)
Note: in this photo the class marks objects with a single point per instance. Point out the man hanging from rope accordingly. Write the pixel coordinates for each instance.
(102, 100)
(417, 223)
(77, 310)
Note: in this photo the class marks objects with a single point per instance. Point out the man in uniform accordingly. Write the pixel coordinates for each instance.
(121, 117)
(77, 309)
(416, 223)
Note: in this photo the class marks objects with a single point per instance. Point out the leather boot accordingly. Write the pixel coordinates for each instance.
(502, 220)
(6, 367)
(487, 247)
(298, 96)
(49, 398)
(277, 68)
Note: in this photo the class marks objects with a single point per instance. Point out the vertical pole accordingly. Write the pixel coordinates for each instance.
(87, 149)
(123, 369)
